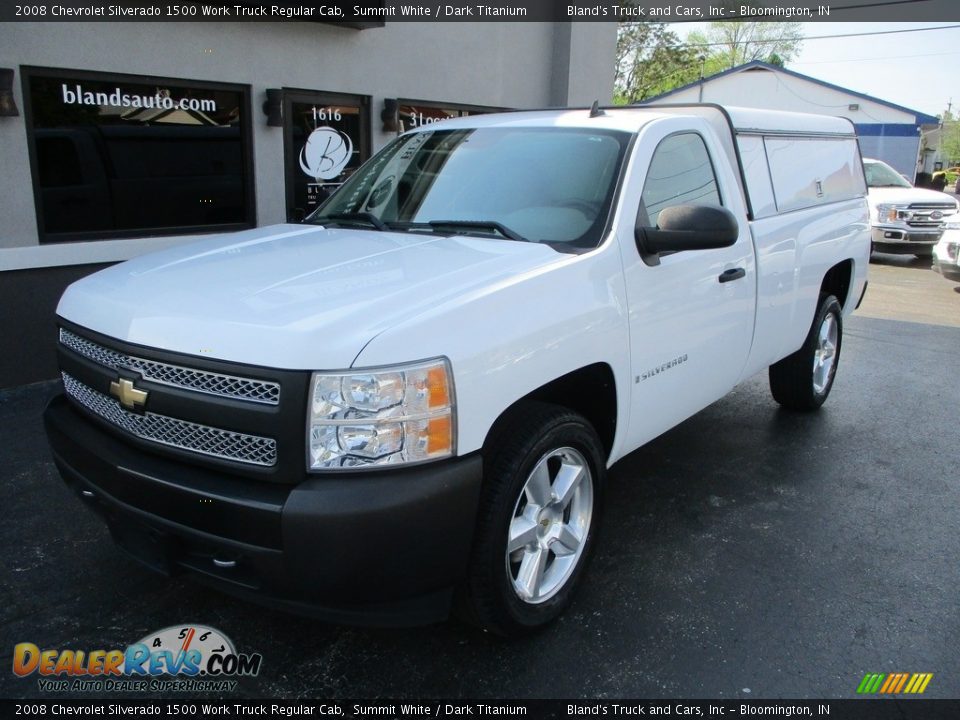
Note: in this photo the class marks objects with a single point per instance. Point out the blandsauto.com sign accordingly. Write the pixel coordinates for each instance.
(161, 100)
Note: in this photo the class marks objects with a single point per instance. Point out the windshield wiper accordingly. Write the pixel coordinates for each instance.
(356, 217)
(499, 228)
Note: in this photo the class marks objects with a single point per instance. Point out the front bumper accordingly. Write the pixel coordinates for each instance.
(902, 238)
(379, 548)
(946, 256)
(951, 271)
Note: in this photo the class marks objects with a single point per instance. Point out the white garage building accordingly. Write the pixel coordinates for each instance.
(887, 131)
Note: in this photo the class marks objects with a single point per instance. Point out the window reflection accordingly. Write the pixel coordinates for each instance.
(124, 156)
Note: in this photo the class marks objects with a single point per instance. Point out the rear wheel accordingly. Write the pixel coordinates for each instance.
(540, 509)
(802, 381)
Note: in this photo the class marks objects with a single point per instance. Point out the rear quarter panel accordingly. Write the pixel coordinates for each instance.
(794, 252)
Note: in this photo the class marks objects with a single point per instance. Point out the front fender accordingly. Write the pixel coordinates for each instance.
(506, 340)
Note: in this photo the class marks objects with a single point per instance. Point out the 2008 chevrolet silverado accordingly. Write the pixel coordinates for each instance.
(416, 394)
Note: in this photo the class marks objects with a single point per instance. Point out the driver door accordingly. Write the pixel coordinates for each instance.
(691, 313)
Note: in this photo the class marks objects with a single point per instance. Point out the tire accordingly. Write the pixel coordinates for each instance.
(515, 592)
(802, 381)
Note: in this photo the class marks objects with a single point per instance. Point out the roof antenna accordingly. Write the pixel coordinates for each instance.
(595, 110)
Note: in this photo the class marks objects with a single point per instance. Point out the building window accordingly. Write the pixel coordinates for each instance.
(326, 138)
(127, 156)
(415, 113)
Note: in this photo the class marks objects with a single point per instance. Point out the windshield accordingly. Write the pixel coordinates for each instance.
(536, 184)
(879, 174)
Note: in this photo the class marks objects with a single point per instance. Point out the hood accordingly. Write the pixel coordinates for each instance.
(290, 296)
(906, 196)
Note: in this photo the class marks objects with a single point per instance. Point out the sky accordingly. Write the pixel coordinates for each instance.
(919, 70)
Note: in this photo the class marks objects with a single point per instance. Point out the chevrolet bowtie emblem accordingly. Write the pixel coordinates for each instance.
(129, 397)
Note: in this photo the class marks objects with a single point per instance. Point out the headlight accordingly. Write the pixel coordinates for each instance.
(952, 223)
(386, 416)
(892, 213)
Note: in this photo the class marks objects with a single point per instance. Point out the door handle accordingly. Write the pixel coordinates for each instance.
(732, 274)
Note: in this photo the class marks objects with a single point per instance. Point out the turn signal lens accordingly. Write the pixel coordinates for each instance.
(440, 435)
(438, 388)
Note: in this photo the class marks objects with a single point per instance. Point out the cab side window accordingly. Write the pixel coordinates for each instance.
(680, 172)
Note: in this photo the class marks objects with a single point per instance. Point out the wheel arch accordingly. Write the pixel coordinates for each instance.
(838, 281)
(590, 391)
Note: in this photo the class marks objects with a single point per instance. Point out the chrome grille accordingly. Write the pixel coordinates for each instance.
(215, 442)
(211, 383)
(920, 214)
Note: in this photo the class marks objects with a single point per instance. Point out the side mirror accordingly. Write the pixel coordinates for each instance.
(687, 227)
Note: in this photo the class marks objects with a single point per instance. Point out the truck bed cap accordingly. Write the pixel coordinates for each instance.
(631, 118)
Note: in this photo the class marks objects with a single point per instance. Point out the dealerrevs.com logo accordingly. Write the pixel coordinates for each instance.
(186, 658)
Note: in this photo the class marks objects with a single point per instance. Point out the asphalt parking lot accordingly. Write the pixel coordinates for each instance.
(903, 287)
(747, 553)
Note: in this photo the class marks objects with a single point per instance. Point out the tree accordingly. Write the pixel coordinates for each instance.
(728, 44)
(949, 138)
(650, 60)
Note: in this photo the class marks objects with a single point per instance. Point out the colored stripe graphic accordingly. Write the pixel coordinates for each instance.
(922, 680)
(903, 681)
(894, 683)
(891, 679)
(870, 683)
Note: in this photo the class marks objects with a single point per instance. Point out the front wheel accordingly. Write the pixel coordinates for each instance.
(802, 381)
(540, 509)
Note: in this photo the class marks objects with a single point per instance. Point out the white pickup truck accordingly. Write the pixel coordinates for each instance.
(906, 219)
(415, 395)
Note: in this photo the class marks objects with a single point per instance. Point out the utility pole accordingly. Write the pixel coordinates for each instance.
(703, 60)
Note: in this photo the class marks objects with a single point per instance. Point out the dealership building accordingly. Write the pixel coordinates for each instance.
(120, 138)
